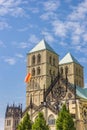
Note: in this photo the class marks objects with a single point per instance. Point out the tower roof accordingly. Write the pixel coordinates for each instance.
(42, 45)
(13, 111)
(68, 58)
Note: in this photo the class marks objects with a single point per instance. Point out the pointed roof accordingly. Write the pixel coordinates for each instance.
(68, 58)
(42, 45)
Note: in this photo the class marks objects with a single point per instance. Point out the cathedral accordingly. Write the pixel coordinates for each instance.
(54, 82)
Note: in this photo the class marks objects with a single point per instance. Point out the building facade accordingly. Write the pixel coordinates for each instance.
(13, 116)
(52, 84)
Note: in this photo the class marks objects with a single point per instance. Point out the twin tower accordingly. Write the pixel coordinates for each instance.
(43, 64)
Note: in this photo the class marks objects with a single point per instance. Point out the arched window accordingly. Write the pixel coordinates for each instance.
(33, 59)
(66, 70)
(51, 120)
(50, 59)
(53, 73)
(54, 61)
(33, 71)
(61, 70)
(38, 58)
(38, 70)
(50, 71)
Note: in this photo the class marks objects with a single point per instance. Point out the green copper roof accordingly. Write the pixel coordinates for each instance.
(42, 45)
(81, 92)
(68, 58)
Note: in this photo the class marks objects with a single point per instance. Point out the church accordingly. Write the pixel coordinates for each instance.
(54, 82)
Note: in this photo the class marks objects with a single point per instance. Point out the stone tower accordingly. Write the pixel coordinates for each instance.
(54, 83)
(12, 117)
(42, 64)
(75, 70)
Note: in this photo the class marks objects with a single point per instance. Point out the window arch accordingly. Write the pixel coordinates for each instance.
(50, 59)
(33, 59)
(51, 120)
(53, 73)
(66, 70)
(61, 70)
(50, 72)
(38, 70)
(33, 71)
(54, 61)
(38, 58)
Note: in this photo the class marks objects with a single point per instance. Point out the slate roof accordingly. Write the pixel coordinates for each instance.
(68, 58)
(42, 45)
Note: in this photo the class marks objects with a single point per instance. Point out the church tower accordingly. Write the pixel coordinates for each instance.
(12, 117)
(75, 70)
(42, 64)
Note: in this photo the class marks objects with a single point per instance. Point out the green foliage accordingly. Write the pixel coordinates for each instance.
(25, 124)
(40, 123)
(64, 120)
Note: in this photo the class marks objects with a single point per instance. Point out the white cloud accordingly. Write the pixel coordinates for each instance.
(4, 25)
(12, 7)
(19, 55)
(75, 39)
(10, 61)
(34, 10)
(73, 28)
(59, 28)
(79, 12)
(33, 39)
(51, 5)
(48, 15)
(22, 45)
(48, 36)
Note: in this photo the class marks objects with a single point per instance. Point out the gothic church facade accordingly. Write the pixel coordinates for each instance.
(54, 83)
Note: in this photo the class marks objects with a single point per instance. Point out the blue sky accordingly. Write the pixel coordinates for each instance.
(23, 23)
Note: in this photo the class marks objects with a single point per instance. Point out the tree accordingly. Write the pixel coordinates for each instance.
(25, 124)
(40, 123)
(64, 120)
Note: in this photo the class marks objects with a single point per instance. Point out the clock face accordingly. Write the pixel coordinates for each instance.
(59, 91)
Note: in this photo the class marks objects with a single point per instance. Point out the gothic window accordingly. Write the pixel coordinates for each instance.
(33, 72)
(53, 73)
(50, 59)
(66, 70)
(38, 58)
(61, 70)
(54, 61)
(76, 71)
(33, 59)
(79, 72)
(51, 120)
(38, 70)
(8, 122)
(50, 72)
